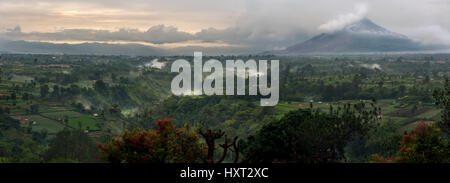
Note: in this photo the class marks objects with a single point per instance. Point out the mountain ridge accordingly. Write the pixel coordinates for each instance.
(362, 36)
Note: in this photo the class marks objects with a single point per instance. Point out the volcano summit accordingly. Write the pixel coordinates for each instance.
(362, 36)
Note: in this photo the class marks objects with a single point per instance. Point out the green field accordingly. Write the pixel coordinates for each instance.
(51, 126)
(61, 114)
(86, 122)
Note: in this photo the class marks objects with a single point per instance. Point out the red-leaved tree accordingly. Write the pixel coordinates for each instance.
(424, 145)
(166, 144)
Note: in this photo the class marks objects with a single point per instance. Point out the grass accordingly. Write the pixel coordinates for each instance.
(17, 111)
(285, 107)
(387, 106)
(51, 126)
(429, 114)
(62, 114)
(19, 78)
(87, 122)
(5, 85)
(11, 102)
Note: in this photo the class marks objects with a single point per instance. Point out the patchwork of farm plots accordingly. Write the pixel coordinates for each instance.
(52, 117)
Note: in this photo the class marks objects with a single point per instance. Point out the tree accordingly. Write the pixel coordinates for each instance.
(14, 96)
(114, 77)
(356, 81)
(34, 109)
(56, 91)
(414, 109)
(115, 110)
(309, 136)
(66, 120)
(25, 96)
(31, 152)
(402, 90)
(442, 98)
(100, 86)
(44, 90)
(74, 90)
(380, 84)
(210, 137)
(427, 79)
(382, 139)
(71, 145)
(425, 145)
(166, 144)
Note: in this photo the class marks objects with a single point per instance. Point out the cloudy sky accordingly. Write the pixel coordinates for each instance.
(262, 24)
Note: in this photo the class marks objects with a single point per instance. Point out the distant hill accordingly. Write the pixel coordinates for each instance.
(27, 47)
(78, 49)
(359, 37)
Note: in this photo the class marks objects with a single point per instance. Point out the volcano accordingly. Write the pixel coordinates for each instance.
(362, 36)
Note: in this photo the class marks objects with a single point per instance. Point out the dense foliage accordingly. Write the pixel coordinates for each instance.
(166, 144)
(424, 145)
(442, 98)
(230, 114)
(382, 139)
(71, 146)
(308, 136)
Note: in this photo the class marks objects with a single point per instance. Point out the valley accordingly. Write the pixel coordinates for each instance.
(102, 96)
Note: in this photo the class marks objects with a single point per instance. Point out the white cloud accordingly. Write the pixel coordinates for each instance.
(265, 24)
(360, 11)
(158, 34)
(431, 34)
